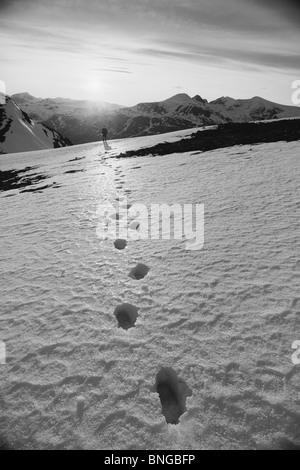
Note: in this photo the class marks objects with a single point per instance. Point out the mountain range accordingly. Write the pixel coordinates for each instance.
(181, 111)
(80, 121)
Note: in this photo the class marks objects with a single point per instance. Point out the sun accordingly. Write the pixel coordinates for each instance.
(94, 88)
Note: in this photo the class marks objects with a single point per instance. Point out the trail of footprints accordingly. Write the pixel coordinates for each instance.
(172, 390)
(126, 314)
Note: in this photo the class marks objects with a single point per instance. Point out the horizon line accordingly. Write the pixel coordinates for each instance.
(146, 102)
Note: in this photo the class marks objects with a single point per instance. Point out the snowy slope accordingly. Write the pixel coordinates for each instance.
(18, 133)
(220, 320)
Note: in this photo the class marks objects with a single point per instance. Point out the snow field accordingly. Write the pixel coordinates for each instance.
(205, 362)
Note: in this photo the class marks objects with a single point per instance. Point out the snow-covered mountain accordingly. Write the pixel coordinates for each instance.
(254, 109)
(181, 111)
(79, 120)
(42, 108)
(20, 133)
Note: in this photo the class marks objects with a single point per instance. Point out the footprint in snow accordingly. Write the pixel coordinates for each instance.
(120, 243)
(172, 392)
(139, 271)
(126, 315)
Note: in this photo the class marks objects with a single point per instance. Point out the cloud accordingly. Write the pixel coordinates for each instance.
(217, 57)
(116, 70)
(288, 9)
(134, 15)
(114, 58)
(5, 5)
(145, 20)
(37, 37)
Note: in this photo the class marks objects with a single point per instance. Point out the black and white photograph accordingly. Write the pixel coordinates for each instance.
(149, 227)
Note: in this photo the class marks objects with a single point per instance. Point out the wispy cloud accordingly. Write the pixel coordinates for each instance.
(133, 15)
(217, 57)
(116, 70)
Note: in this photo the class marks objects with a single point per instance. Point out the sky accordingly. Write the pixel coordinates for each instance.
(131, 51)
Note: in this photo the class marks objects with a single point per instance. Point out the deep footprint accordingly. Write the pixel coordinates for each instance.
(120, 243)
(126, 315)
(139, 271)
(172, 392)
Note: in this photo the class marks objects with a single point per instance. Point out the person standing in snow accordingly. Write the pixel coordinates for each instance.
(104, 134)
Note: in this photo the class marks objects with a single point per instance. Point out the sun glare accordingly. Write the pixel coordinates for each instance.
(94, 88)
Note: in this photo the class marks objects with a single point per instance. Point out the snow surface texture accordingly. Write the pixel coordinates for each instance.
(204, 359)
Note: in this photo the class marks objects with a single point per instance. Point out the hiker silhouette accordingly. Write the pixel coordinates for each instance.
(104, 134)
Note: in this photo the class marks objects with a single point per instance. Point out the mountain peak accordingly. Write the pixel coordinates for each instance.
(199, 99)
(223, 100)
(25, 96)
(258, 99)
(179, 98)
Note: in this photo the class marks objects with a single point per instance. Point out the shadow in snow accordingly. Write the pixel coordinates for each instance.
(106, 146)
